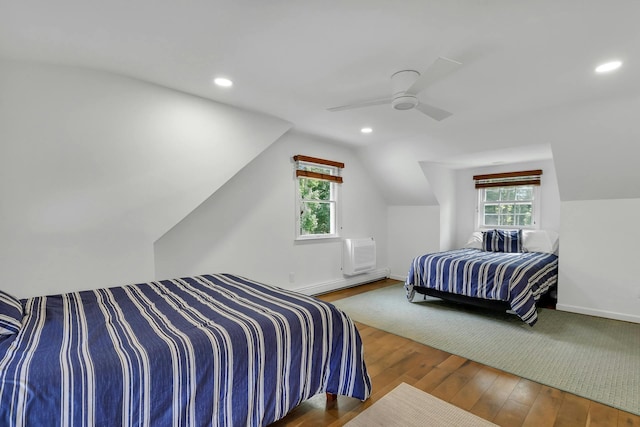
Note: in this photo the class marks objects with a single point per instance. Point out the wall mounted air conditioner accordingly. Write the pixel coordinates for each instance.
(358, 256)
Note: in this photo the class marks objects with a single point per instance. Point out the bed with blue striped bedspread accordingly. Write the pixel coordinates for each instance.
(518, 278)
(205, 350)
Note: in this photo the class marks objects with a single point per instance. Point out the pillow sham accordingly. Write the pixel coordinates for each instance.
(10, 314)
(475, 241)
(502, 241)
(540, 241)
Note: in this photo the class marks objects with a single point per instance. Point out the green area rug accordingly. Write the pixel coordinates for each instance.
(589, 356)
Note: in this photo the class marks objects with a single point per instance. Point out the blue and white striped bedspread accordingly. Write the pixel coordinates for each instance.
(206, 350)
(518, 278)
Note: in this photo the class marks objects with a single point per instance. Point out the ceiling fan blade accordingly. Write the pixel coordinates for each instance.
(434, 112)
(361, 104)
(440, 68)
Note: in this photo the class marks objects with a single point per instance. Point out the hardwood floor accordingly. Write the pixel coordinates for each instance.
(500, 397)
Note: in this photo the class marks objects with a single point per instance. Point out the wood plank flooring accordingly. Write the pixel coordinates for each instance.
(500, 397)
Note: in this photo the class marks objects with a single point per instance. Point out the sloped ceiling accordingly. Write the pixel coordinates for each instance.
(526, 87)
(84, 150)
(95, 167)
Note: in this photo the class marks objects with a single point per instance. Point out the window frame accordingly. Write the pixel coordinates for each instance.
(335, 190)
(535, 209)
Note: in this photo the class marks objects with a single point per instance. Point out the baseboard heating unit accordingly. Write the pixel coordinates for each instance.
(358, 256)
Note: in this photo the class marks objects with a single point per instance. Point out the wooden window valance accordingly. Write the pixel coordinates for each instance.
(531, 177)
(317, 161)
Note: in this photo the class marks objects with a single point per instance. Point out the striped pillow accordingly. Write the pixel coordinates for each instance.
(10, 314)
(502, 241)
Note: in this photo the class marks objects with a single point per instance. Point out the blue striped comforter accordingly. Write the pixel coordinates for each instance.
(207, 350)
(518, 278)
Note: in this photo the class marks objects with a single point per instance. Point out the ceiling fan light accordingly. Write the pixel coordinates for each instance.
(366, 130)
(405, 102)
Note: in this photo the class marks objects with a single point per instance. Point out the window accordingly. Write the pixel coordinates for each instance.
(508, 200)
(317, 187)
(507, 207)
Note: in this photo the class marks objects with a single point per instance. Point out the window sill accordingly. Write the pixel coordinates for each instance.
(506, 227)
(317, 237)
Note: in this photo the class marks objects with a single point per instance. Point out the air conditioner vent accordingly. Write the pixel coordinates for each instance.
(358, 256)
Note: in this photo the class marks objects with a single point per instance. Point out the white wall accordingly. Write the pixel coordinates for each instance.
(413, 231)
(466, 196)
(443, 182)
(599, 258)
(248, 226)
(95, 167)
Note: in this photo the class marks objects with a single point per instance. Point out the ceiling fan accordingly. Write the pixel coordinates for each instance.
(407, 84)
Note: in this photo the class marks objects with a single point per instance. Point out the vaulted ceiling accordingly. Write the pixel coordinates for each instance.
(526, 88)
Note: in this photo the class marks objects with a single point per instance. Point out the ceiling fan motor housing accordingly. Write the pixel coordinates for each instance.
(404, 102)
(400, 82)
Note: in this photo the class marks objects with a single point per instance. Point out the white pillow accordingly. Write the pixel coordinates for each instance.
(475, 241)
(540, 241)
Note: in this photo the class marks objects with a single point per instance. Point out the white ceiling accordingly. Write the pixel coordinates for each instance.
(522, 60)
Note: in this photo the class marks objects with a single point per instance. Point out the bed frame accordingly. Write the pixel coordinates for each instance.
(547, 300)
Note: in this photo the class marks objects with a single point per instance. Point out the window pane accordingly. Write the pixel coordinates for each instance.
(492, 194)
(318, 169)
(523, 220)
(315, 218)
(315, 189)
(507, 193)
(523, 209)
(506, 209)
(506, 219)
(524, 192)
(491, 219)
(490, 209)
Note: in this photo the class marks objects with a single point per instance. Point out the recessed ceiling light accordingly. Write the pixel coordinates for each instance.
(608, 66)
(366, 130)
(224, 82)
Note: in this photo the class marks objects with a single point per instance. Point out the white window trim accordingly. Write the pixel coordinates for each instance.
(336, 190)
(535, 208)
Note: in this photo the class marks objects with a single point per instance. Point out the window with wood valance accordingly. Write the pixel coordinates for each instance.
(530, 177)
(317, 197)
(314, 167)
(508, 199)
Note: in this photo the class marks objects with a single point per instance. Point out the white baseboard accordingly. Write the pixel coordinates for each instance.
(599, 313)
(346, 282)
(396, 277)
